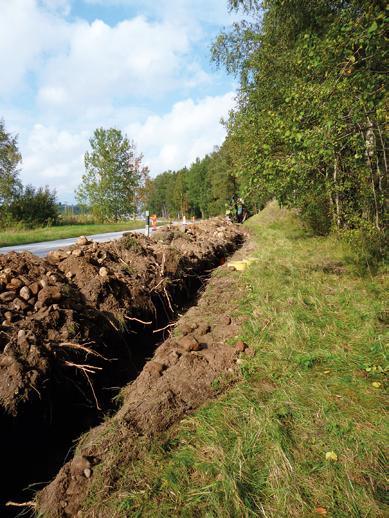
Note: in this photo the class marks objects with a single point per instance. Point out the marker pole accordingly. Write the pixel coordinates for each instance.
(147, 229)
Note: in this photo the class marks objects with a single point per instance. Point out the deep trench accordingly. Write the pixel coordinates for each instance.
(37, 443)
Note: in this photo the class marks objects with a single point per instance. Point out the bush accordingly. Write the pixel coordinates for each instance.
(316, 214)
(369, 247)
(35, 207)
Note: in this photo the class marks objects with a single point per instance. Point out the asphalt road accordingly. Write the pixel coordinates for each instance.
(43, 248)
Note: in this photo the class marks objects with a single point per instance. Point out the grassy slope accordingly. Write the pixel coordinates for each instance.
(260, 450)
(36, 235)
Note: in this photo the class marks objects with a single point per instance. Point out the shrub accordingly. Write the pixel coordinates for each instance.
(316, 214)
(35, 207)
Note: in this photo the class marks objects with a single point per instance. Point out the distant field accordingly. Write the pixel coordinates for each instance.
(20, 237)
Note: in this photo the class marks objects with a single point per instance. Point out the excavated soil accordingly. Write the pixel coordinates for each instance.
(178, 378)
(81, 323)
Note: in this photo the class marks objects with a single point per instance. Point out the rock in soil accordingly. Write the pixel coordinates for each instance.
(189, 343)
(240, 346)
(7, 296)
(83, 241)
(203, 329)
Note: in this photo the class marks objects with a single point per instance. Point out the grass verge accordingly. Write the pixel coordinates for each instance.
(37, 235)
(302, 432)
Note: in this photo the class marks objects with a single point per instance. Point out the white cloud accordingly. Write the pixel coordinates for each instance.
(134, 58)
(190, 130)
(80, 62)
(72, 75)
(26, 35)
(54, 157)
(61, 6)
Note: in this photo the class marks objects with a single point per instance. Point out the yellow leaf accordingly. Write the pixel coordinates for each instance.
(321, 510)
(237, 265)
(331, 455)
(241, 265)
(376, 384)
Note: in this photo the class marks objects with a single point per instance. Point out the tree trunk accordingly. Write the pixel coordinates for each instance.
(335, 179)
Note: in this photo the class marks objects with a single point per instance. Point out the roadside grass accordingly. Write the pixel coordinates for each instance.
(36, 235)
(302, 432)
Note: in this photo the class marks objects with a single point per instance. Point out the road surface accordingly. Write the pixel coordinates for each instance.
(43, 248)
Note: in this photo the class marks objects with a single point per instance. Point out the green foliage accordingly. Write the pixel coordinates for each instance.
(9, 174)
(202, 190)
(114, 178)
(131, 243)
(198, 186)
(35, 207)
(316, 213)
(21, 206)
(163, 196)
(309, 129)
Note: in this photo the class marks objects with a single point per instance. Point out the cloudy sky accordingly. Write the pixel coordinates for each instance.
(143, 66)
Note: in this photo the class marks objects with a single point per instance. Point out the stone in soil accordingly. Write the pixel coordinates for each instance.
(189, 343)
(240, 346)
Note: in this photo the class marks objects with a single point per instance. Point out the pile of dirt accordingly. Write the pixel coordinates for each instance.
(193, 365)
(69, 312)
(46, 326)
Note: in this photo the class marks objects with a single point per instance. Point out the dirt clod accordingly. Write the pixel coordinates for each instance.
(7, 296)
(240, 346)
(226, 320)
(189, 343)
(83, 241)
(79, 465)
(154, 368)
(49, 295)
(186, 329)
(203, 329)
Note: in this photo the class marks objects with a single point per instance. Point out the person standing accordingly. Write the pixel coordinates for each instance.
(239, 210)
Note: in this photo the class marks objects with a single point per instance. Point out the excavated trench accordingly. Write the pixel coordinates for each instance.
(45, 412)
(38, 442)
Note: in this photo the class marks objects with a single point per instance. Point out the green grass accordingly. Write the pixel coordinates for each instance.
(260, 449)
(36, 235)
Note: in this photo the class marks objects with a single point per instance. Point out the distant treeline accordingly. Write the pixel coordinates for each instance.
(201, 190)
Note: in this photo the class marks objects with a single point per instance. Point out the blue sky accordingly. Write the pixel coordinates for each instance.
(140, 65)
